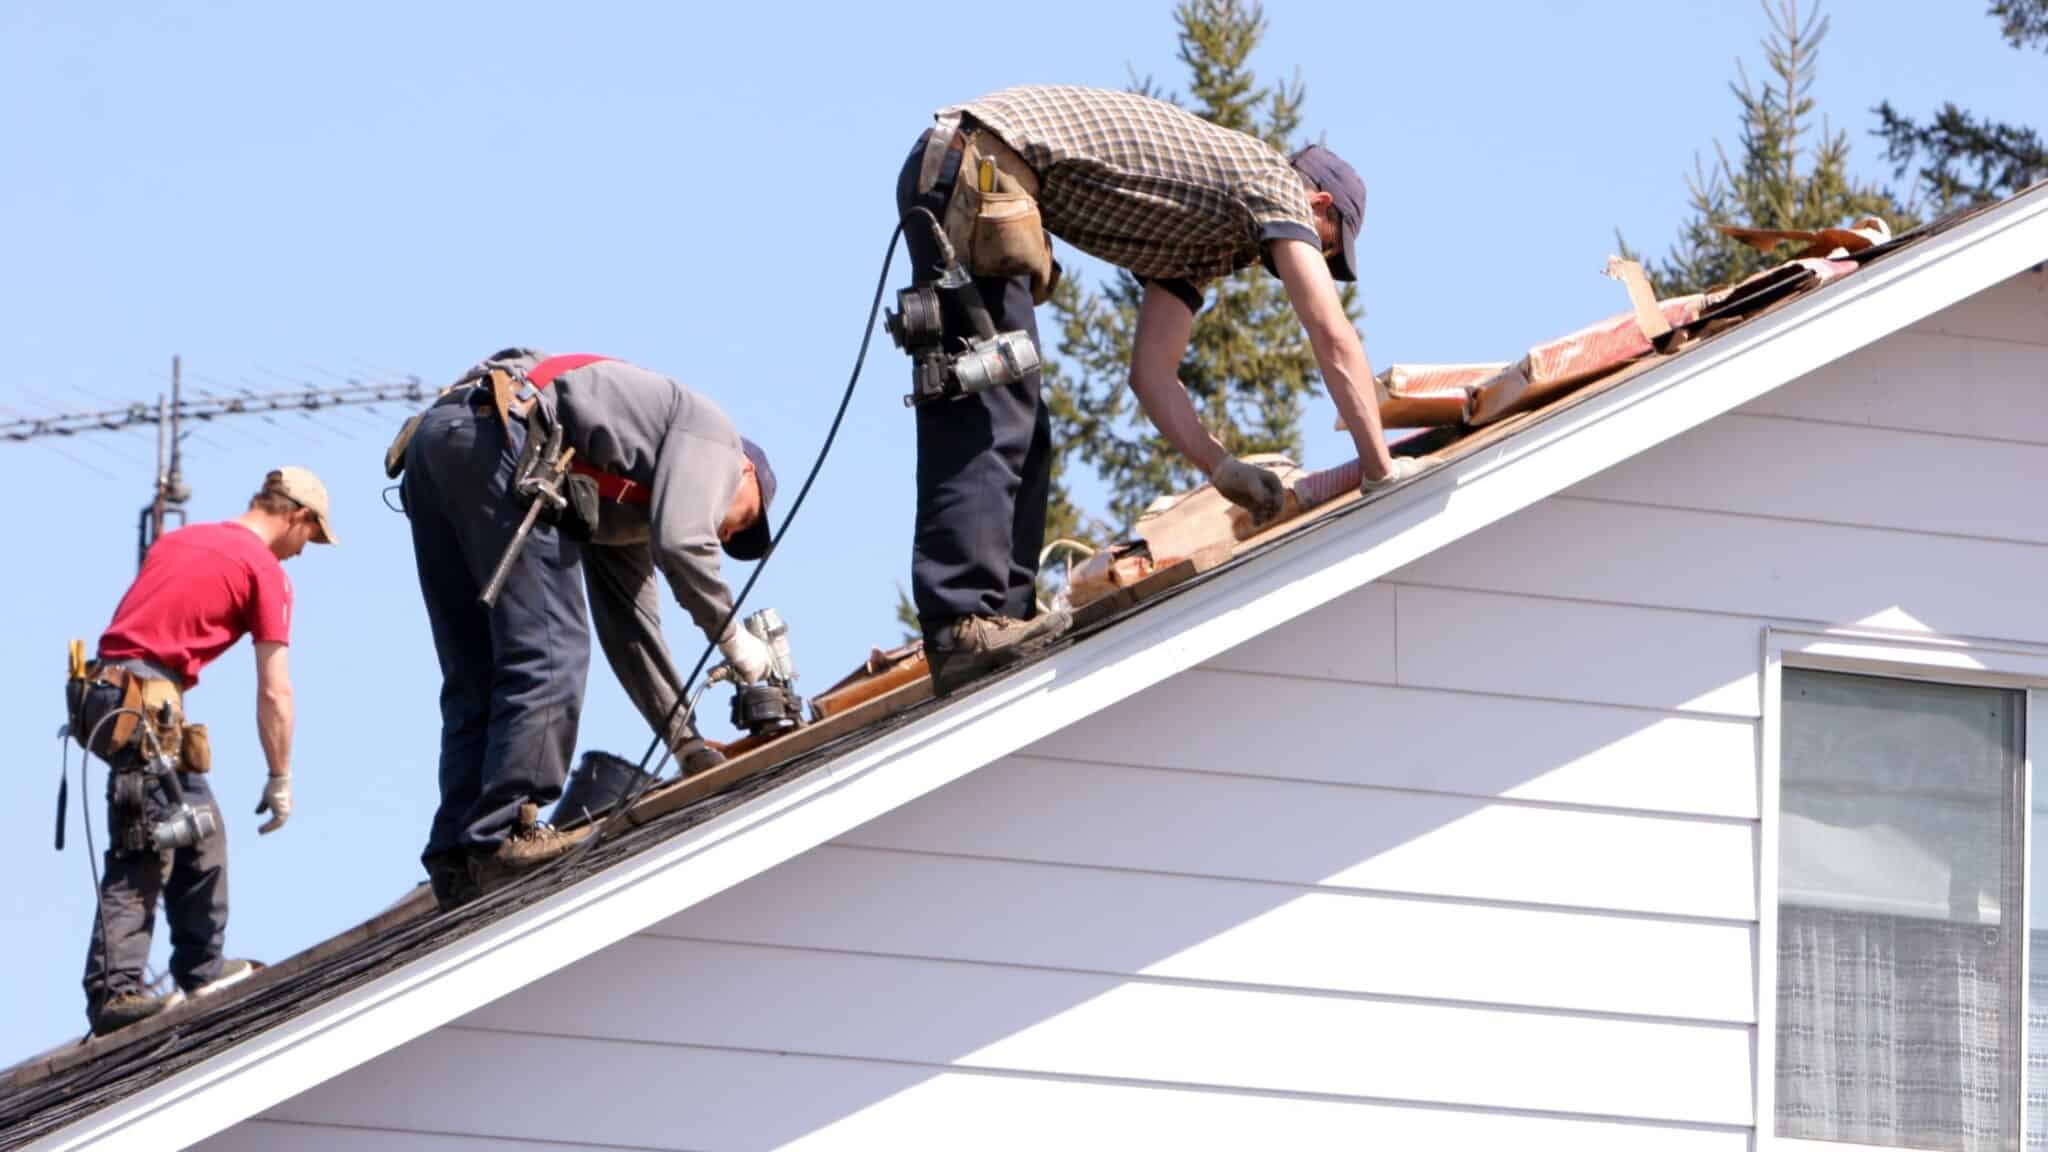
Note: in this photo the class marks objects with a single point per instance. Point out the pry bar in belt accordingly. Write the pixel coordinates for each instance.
(543, 490)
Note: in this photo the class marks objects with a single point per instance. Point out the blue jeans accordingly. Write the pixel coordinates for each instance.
(511, 676)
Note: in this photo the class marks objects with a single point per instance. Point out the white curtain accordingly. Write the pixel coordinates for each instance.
(1894, 1031)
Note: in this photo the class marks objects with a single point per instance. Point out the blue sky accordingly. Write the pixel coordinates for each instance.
(282, 193)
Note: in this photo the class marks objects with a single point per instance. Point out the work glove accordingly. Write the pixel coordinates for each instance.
(1251, 488)
(277, 800)
(748, 655)
(1404, 467)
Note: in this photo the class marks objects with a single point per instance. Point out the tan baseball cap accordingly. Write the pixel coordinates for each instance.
(300, 486)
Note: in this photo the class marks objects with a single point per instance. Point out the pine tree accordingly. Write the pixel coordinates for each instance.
(1970, 160)
(1249, 367)
(1791, 172)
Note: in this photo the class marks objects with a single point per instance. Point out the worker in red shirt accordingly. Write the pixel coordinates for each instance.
(200, 590)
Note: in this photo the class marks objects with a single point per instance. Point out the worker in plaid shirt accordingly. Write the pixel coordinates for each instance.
(1177, 201)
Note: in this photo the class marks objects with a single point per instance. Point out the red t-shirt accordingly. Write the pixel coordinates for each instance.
(200, 589)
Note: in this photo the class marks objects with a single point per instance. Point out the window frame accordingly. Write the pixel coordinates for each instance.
(1962, 661)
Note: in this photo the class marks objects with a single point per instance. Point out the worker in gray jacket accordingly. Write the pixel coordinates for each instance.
(675, 486)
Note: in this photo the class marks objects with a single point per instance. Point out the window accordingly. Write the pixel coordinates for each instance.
(1899, 952)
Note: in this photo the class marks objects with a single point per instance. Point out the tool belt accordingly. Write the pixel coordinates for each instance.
(150, 710)
(990, 211)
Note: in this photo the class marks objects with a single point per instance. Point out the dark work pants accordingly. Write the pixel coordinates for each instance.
(191, 882)
(511, 677)
(984, 463)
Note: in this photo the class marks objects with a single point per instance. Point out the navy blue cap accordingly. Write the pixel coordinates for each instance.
(1328, 172)
(751, 542)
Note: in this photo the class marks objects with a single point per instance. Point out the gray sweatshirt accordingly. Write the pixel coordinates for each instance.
(678, 445)
(674, 443)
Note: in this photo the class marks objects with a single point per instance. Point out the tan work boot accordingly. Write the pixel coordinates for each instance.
(974, 645)
(125, 1009)
(530, 845)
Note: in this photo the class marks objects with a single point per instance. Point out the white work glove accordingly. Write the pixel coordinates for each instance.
(748, 655)
(1404, 467)
(277, 800)
(1251, 488)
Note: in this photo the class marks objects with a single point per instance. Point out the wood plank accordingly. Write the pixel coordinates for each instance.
(1228, 827)
(1223, 931)
(1771, 466)
(1598, 653)
(472, 1082)
(1768, 569)
(1926, 381)
(1538, 750)
(682, 793)
(1041, 1022)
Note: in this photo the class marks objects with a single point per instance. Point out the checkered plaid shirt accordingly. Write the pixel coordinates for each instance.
(1145, 185)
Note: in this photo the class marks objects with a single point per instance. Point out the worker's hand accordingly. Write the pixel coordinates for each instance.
(1251, 488)
(277, 800)
(748, 655)
(1404, 467)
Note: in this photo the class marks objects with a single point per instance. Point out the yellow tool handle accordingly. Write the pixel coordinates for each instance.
(987, 175)
(78, 659)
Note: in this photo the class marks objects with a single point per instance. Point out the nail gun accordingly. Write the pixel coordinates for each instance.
(770, 707)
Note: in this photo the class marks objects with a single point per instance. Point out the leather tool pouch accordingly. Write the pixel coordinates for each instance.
(197, 754)
(116, 733)
(994, 220)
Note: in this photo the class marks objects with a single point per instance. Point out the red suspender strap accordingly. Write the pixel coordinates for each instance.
(610, 487)
(543, 374)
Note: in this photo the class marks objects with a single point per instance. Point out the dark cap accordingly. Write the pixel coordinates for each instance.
(1328, 172)
(751, 542)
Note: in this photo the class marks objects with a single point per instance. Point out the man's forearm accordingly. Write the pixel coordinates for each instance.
(1166, 404)
(1348, 375)
(1165, 324)
(274, 716)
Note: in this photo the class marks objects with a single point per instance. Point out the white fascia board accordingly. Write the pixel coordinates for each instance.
(1201, 622)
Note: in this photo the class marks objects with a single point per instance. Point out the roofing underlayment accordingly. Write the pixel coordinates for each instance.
(193, 1045)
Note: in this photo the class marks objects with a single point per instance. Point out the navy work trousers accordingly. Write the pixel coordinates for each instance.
(511, 676)
(192, 884)
(984, 462)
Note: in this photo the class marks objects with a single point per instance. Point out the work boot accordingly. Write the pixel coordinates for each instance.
(973, 645)
(695, 756)
(449, 876)
(530, 845)
(124, 1009)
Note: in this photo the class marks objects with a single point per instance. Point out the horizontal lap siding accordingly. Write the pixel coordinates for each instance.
(680, 1097)
(1054, 1023)
(1357, 839)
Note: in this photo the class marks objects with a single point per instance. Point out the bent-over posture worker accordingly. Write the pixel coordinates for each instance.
(200, 589)
(1175, 200)
(674, 484)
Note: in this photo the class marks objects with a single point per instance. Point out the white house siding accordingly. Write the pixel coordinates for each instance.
(1465, 859)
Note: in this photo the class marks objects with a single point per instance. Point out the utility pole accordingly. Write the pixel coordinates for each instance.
(171, 491)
